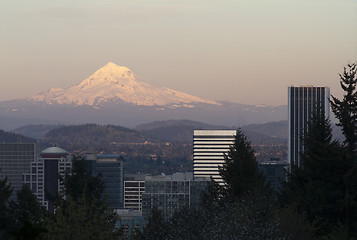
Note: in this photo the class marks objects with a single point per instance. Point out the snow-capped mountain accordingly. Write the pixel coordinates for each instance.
(117, 83)
(113, 95)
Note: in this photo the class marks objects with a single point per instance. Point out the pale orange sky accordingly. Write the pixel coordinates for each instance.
(245, 51)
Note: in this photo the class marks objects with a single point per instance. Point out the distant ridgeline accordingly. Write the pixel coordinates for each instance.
(10, 137)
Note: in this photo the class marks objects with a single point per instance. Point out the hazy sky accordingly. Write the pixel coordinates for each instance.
(246, 51)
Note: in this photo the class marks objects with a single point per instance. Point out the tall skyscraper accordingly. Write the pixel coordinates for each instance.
(15, 160)
(209, 147)
(303, 102)
(43, 175)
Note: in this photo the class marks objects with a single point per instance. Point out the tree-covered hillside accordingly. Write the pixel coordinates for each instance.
(10, 137)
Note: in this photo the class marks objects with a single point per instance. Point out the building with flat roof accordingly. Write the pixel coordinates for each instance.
(171, 193)
(110, 168)
(15, 160)
(133, 191)
(303, 102)
(209, 147)
(275, 171)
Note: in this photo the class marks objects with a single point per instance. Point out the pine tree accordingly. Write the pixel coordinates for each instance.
(157, 227)
(29, 215)
(346, 112)
(81, 210)
(317, 187)
(6, 218)
(346, 109)
(240, 170)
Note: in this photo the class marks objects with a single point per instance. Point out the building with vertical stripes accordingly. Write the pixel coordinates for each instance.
(209, 147)
(303, 102)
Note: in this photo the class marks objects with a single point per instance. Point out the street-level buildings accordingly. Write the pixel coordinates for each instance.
(303, 102)
(171, 193)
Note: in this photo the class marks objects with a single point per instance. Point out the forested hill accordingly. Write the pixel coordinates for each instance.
(180, 131)
(93, 137)
(10, 137)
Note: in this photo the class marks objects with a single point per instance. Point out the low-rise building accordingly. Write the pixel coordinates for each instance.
(171, 193)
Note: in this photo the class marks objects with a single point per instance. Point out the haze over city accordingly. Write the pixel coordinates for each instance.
(240, 51)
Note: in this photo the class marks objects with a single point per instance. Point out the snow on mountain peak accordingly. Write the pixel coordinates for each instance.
(113, 82)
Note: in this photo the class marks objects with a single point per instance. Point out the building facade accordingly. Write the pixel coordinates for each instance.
(275, 171)
(133, 191)
(303, 102)
(45, 173)
(110, 169)
(171, 193)
(209, 147)
(15, 160)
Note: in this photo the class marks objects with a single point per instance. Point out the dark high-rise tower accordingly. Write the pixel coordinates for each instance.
(303, 102)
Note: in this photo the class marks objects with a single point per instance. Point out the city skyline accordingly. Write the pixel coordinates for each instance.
(247, 52)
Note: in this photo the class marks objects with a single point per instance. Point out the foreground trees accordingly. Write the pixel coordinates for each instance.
(6, 219)
(317, 187)
(346, 112)
(81, 211)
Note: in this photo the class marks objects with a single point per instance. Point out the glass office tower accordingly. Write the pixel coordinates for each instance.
(110, 168)
(303, 102)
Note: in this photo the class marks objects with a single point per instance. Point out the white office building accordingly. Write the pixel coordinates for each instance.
(303, 102)
(209, 147)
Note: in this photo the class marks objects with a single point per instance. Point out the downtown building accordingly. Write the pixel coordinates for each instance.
(169, 193)
(43, 176)
(209, 147)
(110, 169)
(303, 103)
(134, 186)
(275, 172)
(15, 160)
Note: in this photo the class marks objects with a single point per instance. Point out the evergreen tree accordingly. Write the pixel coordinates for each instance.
(82, 182)
(27, 207)
(240, 170)
(81, 220)
(157, 228)
(6, 218)
(29, 215)
(81, 210)
(346, 112)
(346, 109)
(317, 187)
